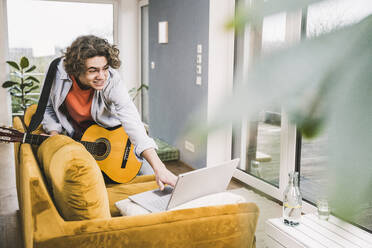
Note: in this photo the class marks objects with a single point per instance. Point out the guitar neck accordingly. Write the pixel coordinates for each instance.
(8, 134)
(35, 139)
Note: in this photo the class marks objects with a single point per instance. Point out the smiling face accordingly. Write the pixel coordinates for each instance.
(96, 72)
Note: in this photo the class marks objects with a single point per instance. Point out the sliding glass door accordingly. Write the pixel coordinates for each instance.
(263, 142)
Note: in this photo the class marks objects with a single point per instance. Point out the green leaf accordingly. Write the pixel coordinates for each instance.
(17, 96)
(24, 62)
(30, 100)
(31, 69)
(8, 84)
(32, 78)
(289, 71)
(31, 89)
(30, 84)
(143, 86)
(132, 90)
(13, 64)
(16, 88)
(328, 80)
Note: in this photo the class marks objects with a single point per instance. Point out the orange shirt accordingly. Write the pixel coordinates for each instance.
(79, 102)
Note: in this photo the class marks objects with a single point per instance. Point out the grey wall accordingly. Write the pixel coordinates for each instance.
(173, 93)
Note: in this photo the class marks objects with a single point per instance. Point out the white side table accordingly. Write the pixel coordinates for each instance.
(316, 233)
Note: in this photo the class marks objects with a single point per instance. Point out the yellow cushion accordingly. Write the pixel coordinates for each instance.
(27, 118)
(47, 149)
(76, 180)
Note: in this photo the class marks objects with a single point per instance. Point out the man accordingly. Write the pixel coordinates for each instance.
(88, 90)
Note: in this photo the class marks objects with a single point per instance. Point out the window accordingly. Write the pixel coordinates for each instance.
(263, 144)
(260, 141)
(41, 30)
(322, 18)
(271, 128)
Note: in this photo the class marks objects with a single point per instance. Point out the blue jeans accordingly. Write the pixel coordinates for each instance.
(146, 169)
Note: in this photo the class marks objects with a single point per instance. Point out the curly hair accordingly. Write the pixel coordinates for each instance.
(89, 46)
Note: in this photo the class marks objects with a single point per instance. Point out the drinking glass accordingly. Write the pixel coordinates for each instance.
(323, 209)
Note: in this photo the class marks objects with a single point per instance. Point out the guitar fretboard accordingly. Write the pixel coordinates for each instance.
(35, 139)
(92, 147)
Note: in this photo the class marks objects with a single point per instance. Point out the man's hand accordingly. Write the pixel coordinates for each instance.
(52, 133)
(163, 175)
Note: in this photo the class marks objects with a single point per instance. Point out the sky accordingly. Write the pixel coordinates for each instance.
(42, 25)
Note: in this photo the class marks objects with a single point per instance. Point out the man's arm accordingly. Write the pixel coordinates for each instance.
(144, 146)
(163, 175)
(50, 122)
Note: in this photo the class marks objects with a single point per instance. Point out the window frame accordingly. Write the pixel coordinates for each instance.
(247, 41)
(141, 4)
(5, 99)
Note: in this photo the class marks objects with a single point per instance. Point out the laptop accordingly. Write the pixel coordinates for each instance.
(189, 186)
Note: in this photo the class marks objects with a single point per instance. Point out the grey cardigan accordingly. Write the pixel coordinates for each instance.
(111, 107)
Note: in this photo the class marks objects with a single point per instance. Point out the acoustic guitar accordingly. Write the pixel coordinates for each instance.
(111, 149)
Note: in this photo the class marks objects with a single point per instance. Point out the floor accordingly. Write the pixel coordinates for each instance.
(9, 222)
(10, 235)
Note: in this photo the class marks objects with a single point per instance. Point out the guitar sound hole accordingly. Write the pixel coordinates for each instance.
(101, 149)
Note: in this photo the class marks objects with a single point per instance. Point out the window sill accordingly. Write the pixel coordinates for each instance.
(313, 232)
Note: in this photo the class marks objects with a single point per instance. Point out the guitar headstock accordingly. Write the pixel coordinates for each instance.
(8, 134)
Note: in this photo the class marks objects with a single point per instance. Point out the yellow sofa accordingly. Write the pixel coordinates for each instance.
(43, 225)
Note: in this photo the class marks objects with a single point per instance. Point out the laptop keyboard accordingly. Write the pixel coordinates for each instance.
(159, 199)
(160, 203)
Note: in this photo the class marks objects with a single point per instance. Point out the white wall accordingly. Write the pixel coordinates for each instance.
(128, 43)
(5, 111)
(220, 75)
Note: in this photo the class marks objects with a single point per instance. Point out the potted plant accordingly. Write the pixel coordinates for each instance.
(22, 84)
(133, 92)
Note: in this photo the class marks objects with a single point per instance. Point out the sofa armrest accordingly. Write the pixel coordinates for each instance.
(226, 225)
